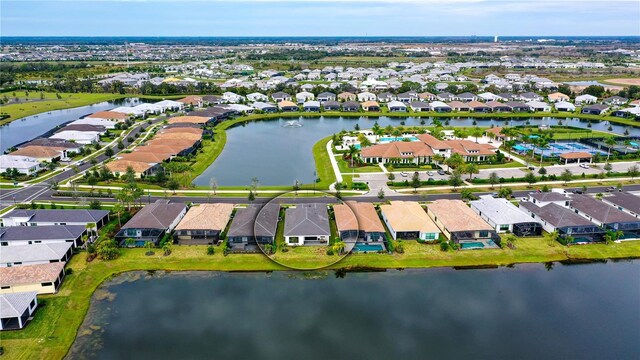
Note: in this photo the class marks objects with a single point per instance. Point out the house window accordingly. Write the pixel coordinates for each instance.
(504, 227)
(33, 303)
(5, 287)
(484, 234)
(4, 243)
(430, 236)
(46, 284)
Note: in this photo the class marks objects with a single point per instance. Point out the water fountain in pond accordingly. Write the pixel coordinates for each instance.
(292, 123)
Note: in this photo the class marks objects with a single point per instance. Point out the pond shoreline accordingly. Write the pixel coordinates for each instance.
(70, 305)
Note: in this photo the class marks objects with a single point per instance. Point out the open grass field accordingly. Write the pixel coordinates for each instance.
(623, 81)
(34, 105)
(55, 325)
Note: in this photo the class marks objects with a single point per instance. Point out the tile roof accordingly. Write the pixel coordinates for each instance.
(360, 216)
(576, 155)
(456, 216)
(121, 166)
(15, 304)
(108, 115)
(30, 274)
(206, 217)
(38, 152)
(145, 157)
(189, 119)
(306, 219)
(408, 216)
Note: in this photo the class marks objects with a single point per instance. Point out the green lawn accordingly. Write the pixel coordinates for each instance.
(511, 164)
(34, 105)
(55, 325)
(344, 167)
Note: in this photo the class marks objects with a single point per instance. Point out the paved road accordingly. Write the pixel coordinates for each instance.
(26, 194)
(46, 196)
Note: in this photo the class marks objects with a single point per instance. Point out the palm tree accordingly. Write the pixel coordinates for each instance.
(476, 132)
(610, 143)
(353, 151)
(470, 169)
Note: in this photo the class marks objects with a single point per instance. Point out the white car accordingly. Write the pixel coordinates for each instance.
(404, 174)
(584, 166)
(430, 173)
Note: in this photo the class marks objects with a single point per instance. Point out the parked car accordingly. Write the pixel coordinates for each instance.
(584, 166)
(404, 174)
(80, 163)
(578, 191)
(430, 173)
(613, 189)
(441, 172)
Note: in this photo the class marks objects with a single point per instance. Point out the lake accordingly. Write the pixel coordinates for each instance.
(30, 127)
(527, 312)
(279, 155)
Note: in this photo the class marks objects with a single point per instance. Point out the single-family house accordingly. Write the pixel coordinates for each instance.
(396, 106)
(606, 216)
(386, 97)
(557, 96)
(615, 101)
(359, 222)
(446, 96)
(366, 96)
(407, 220)
(304, 96)
(41, 278)
(595, 109)
(505, 217)
(477, 106)
(152, 222)
(41, 153)
(458, 106)
(280, 96)
(307, 224)
(467, 97)
(347, 96)
(287, 106)
(23, 164)
(203, 224)
(418, 106)
(461, 225)
(264, 107)
(331, 105)
(439, 106)
(530, 96)
(624, 201)
(17, 309)
(517, 106)
(555, 217)
(252, 225)
(498, 107)
(535, 105)
(311, 106)
(80, 137)
(326, 96)
(407, 97)
(109, 115)
(43, 234)
(427, 96)
(44, 253)
(585, 99)
(350, 106)
(564, 106)
(487, 96)
(370, 106)
(256, 96)
(42, 217)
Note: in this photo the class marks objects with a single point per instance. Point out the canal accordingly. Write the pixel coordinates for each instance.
(30, 127)
(530, 311)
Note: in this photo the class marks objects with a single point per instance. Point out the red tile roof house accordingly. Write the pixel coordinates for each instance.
(422, 151)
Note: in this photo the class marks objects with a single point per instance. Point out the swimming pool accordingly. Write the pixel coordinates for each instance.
(400, 138)
(634, 144)
(360, 247)
(471, 245)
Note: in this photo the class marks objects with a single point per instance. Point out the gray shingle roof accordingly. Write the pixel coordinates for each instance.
(45, 232)
(254, 218)
(556, 215)
(158, 215)
(307, 219)
(600, 211)
(55, 215)
(14, 304)
(625, 200)
(35, 252)
(549, 196)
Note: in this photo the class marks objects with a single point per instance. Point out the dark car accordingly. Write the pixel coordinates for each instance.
(578, 191)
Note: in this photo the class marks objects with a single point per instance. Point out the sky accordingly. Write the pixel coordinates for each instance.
(319, 17)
